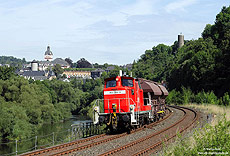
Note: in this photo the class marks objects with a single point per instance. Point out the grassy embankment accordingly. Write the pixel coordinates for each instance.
(212, 139)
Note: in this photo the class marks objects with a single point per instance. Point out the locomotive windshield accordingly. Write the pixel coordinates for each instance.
(127, 82)
(111, 83)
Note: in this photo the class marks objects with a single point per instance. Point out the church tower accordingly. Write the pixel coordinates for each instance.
(48, 54)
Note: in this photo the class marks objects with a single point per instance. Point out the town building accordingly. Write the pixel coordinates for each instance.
(128, 66)
(37, 75)
(77, 74)
(49, 62)
(109, 68)
(97, 73)
(44, 65)
(7, 65)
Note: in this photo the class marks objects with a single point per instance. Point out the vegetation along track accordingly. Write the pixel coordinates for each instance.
(68, 148)
(149, 143)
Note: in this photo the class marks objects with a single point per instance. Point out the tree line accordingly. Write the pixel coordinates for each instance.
(201, 65)
(26, 104)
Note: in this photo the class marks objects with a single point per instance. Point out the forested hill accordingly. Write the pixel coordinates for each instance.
(202, 64)
(12, 61)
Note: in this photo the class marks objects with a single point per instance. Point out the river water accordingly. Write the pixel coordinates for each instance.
(48, 135)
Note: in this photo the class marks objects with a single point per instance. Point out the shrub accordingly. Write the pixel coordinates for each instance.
(225, 99)
(174, 97)
(187, 95)
(206, 98)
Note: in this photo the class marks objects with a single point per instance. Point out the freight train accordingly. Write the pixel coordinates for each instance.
(130, 103)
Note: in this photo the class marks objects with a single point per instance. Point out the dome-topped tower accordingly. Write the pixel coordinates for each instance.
(48, 54)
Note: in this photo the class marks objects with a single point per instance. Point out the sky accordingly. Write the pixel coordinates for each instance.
(101, 31)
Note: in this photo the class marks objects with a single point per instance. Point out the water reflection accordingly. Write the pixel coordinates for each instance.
(62, 126)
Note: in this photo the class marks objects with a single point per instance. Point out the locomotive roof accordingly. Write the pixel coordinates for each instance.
(111, 78)
(147, 85)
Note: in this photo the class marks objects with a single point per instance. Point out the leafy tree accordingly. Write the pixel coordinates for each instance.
(83, 63)
(58, 70)
(6, 72)
(68, 60)
(195, 65)
(153, 65)
(220, 34)
(115, 71)
(12, 61)
(207, 31)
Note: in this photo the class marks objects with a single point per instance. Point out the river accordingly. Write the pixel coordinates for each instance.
(48, 134)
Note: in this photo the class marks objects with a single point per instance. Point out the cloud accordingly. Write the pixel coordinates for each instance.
(112, 31)
(179, 5)
(141, 7)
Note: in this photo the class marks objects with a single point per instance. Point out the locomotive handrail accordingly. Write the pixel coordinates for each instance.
(103, 100)
(147, 99)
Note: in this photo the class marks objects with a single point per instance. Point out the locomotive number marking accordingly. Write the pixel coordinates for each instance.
(114, 92)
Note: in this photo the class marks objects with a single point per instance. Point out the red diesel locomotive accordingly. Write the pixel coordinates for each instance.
(129, 102)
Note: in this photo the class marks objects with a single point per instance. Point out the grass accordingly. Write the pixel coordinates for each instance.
(217, 110)
(212, 139)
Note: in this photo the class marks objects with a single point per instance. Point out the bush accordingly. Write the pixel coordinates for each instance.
(187, 95)
(209, 98)
(174, 97)
(225, 100)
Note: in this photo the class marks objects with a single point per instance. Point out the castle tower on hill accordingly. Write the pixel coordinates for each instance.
(48, 54)
(180, 40)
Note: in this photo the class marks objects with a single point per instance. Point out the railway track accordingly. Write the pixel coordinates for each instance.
(79, 145)
(74, 146)
(151, 142)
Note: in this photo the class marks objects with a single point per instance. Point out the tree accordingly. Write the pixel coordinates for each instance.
(6, 72)
(155, 63)
(58, 70)
(12, 61)
(220, 34)
(83, 63)
(194, 66)
(68, 60)
(207, 31)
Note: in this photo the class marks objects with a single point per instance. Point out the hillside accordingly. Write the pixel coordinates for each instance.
(12, 61)
(201, 64)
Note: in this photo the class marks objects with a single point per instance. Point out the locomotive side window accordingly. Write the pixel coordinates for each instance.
(127, 82)
(111, 83)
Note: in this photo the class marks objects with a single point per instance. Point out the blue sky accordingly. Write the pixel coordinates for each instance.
(102, 31)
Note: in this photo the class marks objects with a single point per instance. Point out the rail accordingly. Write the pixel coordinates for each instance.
(131, 145)
(36, 143)
(96, 140)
